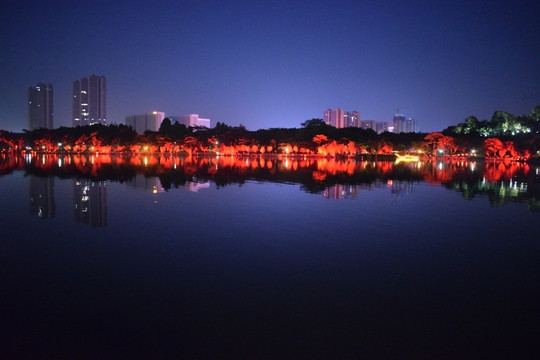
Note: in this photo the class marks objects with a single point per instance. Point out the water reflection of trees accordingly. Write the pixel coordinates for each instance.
(500, 182)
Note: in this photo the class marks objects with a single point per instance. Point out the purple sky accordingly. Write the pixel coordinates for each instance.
(269, 64)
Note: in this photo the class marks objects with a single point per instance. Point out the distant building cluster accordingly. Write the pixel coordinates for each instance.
(89, 107)
(404, 124)
(152, 121)
(342, 119)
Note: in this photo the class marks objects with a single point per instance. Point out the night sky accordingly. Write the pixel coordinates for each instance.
(267, 64)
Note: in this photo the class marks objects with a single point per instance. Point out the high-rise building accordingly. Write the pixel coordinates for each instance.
(143, 122)
(334, 117)
(352, 119)
(411, 125)
(40, 106)
(399, 122)
(89, 101)
(368, 124)
(381, 127)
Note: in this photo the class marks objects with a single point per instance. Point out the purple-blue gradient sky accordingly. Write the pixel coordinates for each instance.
(268, 64)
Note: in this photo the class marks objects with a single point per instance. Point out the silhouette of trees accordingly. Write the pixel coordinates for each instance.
(314, 123)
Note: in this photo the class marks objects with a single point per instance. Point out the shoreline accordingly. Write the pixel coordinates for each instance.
(360, 157)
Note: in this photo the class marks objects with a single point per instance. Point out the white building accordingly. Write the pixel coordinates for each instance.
(143, 122)
(193, 120)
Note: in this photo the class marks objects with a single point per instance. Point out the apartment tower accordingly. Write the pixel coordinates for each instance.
(40, 106)
(89, 101)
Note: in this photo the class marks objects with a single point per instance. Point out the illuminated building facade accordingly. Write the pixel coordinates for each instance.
(341, 119)
(40, 107)
(352, 119)
(335, 117)
(89, 101)
(143, 122)
(193, 120)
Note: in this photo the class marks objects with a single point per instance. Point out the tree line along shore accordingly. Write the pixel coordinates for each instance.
(503, 137)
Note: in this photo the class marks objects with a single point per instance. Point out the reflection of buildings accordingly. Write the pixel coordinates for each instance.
(401, 187)
(42, 197)
(40, 107)
(146, 183)
(340, 191)
(196, 186)
(90, 198)
(142, 122)
(89, 101)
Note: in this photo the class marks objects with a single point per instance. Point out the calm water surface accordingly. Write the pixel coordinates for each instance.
(437, 263)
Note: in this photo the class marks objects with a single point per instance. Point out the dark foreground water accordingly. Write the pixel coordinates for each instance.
(261, 261)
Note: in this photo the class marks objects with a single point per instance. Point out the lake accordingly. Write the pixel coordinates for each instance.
(192, 258)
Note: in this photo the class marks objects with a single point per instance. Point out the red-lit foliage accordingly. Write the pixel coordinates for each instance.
(495, 148)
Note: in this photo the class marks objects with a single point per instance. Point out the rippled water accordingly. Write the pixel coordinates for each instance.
(235, 264)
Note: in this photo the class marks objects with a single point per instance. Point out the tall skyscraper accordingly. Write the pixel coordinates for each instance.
(89, 101)
(411, 125)
(40, 106)
(399, 122)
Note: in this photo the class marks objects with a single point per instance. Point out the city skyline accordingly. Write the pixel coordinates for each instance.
(276, 64)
